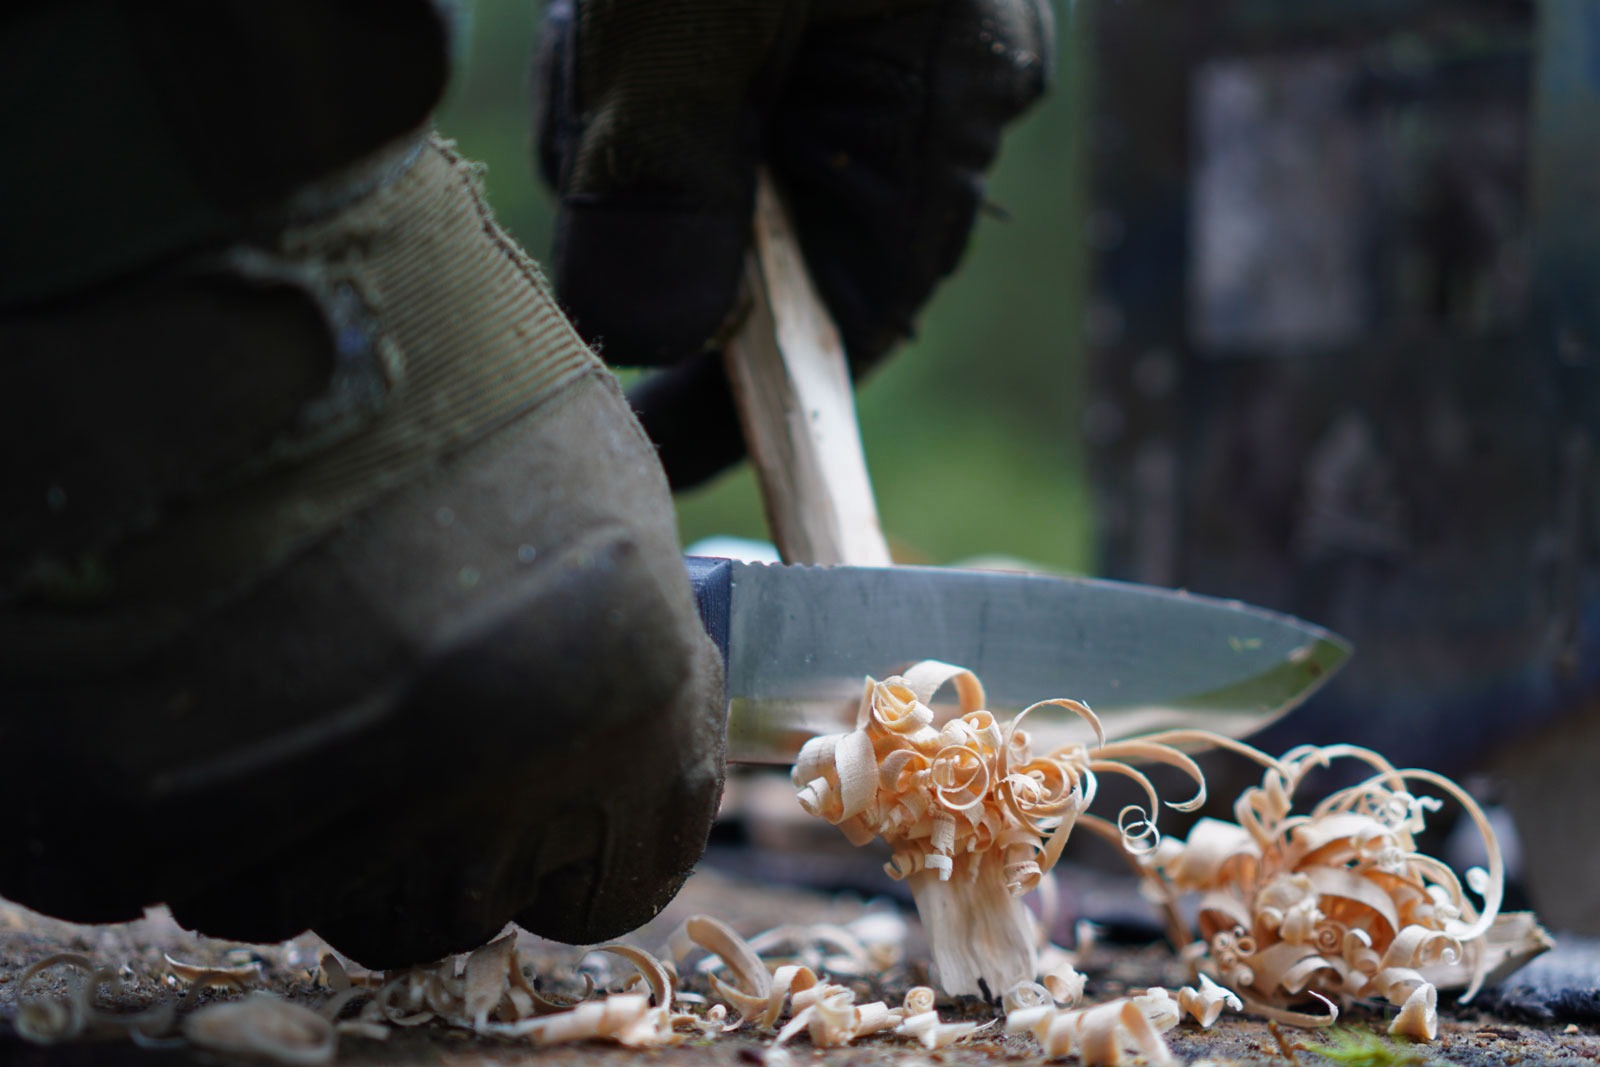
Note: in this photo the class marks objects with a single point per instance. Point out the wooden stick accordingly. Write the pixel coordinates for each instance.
(793, 389)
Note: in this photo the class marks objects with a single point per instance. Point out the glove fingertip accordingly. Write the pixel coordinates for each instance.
(648, 286)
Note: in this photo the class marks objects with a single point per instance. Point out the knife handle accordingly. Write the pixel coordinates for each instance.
(792, 386)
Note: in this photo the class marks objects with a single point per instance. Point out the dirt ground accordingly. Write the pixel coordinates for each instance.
(1469, 1036)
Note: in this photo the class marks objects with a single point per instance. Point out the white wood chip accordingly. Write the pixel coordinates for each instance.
(1419, 1015)
(266, 1026)
(203, 976)
(1105, 1035)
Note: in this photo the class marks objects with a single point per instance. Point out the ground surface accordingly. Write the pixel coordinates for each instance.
(1470, 1036)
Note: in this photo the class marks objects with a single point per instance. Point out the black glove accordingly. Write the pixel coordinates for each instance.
(877, 118)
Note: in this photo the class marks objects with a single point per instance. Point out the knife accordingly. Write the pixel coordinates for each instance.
(798, 641)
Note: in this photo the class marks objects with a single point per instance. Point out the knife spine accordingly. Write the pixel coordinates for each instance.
(711, 579)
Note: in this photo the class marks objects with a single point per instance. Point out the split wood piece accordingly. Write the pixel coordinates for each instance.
(793, 389)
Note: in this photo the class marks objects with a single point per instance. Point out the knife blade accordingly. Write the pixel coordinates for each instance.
(798, 642)
(799, 639)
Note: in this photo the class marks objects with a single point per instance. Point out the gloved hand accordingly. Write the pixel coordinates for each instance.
(878, 120)
(340, 585)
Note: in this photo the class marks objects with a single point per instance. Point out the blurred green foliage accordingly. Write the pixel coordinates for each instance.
(972, 431)
(1352, 1047)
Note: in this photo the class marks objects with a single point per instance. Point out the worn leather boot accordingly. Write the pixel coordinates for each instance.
(340, 589)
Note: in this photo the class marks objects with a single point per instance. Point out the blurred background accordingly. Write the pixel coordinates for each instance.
(972, 431)
(1292, 302)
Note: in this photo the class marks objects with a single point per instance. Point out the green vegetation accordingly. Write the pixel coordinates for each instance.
(1354, 1047)
(972, 432)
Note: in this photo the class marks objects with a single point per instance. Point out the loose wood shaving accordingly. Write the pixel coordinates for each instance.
(753, 994)
(48, 1020)
(1419, 1015)
(623, 1018)
(881, 929)
(1298, 913)
(334, 975)
(1101, 1036)
(263, 1025)
(921, 1020)
(651, 970)
(866, 946)
(1159, 1007)
(488, 992)
(826, 1012)
(1325, 906)
(1205, 1004)
(1064, 983)
(1336, 903)
(1026, 995)
(831, 1017)
(973, 815)
(202, 976)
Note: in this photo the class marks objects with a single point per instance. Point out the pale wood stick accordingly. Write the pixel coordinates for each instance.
(793, 390)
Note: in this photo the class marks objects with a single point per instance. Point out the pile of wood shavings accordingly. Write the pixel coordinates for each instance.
(975, 817)
(1106, 1034)
(490, 992)
(1334, 905)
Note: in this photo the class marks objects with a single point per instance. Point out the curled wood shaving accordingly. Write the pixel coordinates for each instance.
(918, 1000)
(831, 1017)
(362, 1028)
(489, 993)
(333, 973)
(417, 996)
(486, 981)
(203, 976)
(921, 1021)
(881, 929)
(1101, 1036)
(51, 1019)
(712, 1023)
(1335, 903)
(346, 989)
(263, 1025)
(623, 1018)
(826, 1012)
(1419, 1015)
(867, 946)
(1026, 995)
(1065, 984)
(46, 1020)
(650, 969)
(545, 1005)
(751, 994)
(1205, 1004)
(974, 817)
(1159, 1008)
(486, 991)
(1294, 910)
